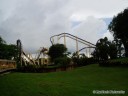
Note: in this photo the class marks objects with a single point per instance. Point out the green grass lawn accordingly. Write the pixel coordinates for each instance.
(77, 82)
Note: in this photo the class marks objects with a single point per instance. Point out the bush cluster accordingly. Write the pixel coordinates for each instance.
(30, 68)
(62, 61)
(84, 61)
(111, 63)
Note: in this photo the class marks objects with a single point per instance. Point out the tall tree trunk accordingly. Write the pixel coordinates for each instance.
(126, 48)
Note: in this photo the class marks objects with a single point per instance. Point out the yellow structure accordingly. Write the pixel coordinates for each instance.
(7, 64)
(44, 61)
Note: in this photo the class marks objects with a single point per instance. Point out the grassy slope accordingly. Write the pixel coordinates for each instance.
(78, 82)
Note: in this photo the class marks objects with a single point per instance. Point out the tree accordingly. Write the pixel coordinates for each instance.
(105, 49)
(2, 48)
(112, 51)
(119, 28)
(7, 51)
(2, 41)
(101, 50)
(12, 51)
(119, 47)
(56, 51)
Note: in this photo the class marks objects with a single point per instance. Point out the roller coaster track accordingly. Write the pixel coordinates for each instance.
(22, 54)
(30, 60)
(85, 48)
(41, 51)
(89, 44)
(25, 58)
(72, 36)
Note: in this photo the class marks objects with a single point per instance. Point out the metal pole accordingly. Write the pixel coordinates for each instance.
(21, 58)
(64, 40)
(58, 39)
(77, 46)
(86, 52)
(89, 51)
(53, 40)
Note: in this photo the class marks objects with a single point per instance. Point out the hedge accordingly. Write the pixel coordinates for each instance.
(114, 63)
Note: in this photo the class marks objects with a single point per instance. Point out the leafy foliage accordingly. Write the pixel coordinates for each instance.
(119, 47)
(7, 51)
(105, 49)
(56, 51)
(62, 61)
(122, 62)
(2, 41)
(82, 60)
(112, 51)
(119, 28)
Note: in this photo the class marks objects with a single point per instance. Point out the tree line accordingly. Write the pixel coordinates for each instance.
(7, 51)
(119, 28)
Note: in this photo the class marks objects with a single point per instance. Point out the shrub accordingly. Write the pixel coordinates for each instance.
(62, 61)
(114, 63)
(29, 68)
(83, 61)
(57, 51)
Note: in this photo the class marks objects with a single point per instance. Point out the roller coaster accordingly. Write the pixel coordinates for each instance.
(25, 59)
(28, 59)
(88, 45)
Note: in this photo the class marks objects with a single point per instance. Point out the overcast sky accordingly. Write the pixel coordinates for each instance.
(34, 21)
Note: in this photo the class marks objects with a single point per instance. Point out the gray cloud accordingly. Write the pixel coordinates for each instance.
(91, 29)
